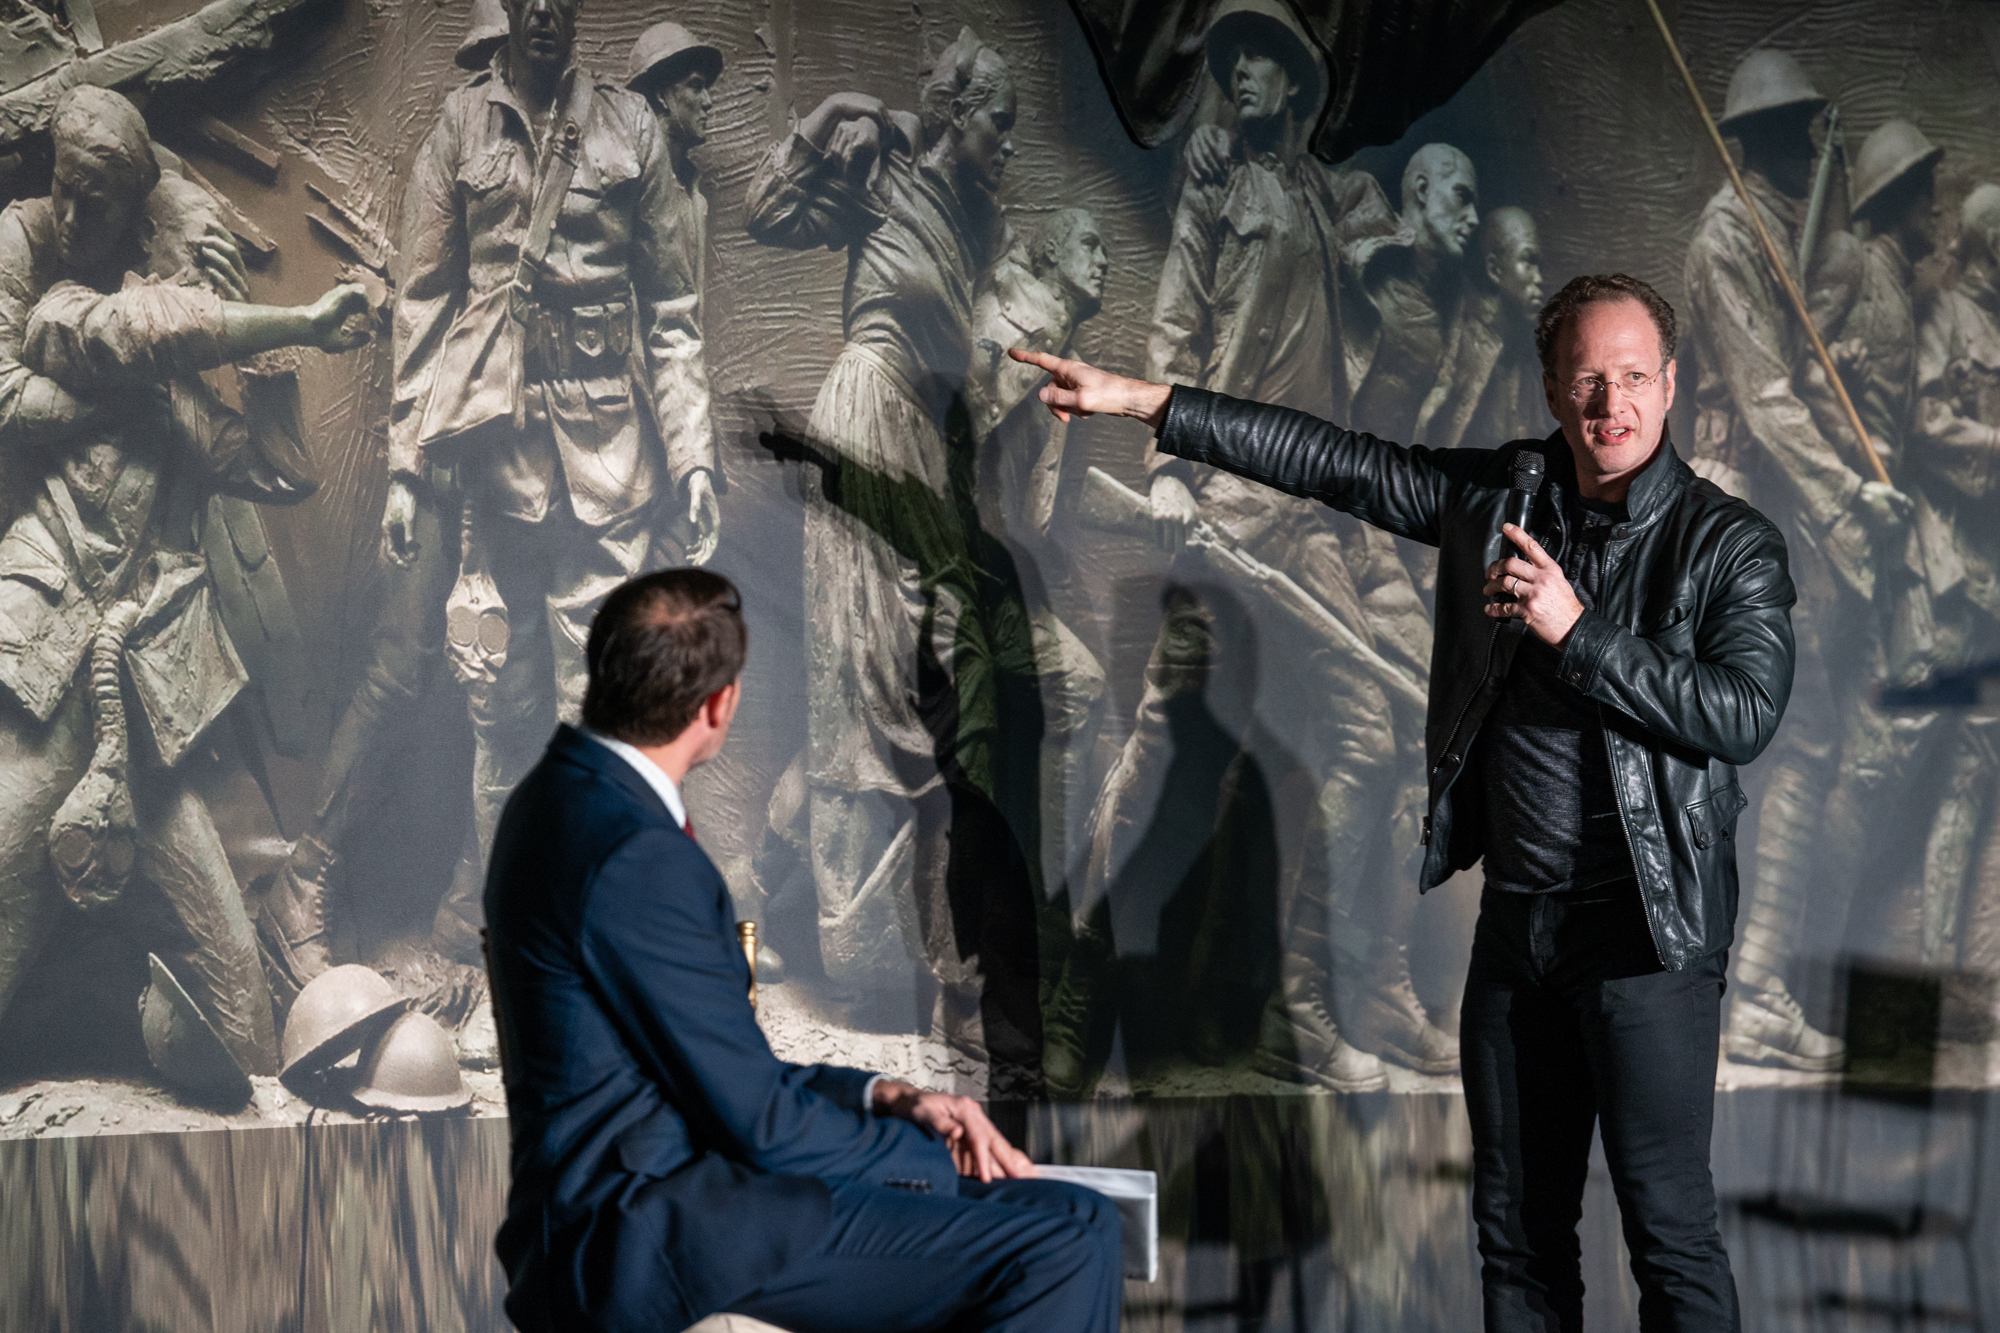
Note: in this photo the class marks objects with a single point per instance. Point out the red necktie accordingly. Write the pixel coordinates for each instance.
(687, 827)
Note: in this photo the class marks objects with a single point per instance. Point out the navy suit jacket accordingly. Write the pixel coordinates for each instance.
(665, 1162)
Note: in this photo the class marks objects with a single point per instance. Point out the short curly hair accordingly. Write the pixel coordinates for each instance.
(969, 71)
(1595, 289)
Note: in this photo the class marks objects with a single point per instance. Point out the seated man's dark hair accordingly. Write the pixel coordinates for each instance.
(1594, 289)
(660, 645)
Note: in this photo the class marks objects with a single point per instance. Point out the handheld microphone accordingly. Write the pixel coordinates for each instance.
(1528, 467)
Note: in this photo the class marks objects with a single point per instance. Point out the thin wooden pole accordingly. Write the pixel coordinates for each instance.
(1771, 251)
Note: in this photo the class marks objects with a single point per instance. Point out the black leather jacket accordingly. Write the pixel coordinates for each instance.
(1688, 654)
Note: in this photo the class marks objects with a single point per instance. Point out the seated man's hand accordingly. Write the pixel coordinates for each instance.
(977, 1148)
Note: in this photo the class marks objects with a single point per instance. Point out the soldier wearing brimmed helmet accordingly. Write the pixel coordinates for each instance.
(1873, 809)
(674, 70)
(1247, 305)
(551, 394)
(1953, 463)
(1766, 421)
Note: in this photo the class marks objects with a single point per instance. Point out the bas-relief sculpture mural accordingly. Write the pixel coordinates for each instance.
(1010, 829)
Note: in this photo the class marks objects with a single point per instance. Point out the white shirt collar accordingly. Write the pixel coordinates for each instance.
(656, 777)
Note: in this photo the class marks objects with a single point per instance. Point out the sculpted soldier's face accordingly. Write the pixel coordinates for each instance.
(685, 103)
(94, 206)
(1921, 222)
(1516, 269)
(1084, 266)
(1612, 431)
(1261, 87)
(1449, 210)
(542, 32)
(985, 135)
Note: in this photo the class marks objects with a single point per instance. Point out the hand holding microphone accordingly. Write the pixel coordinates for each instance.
(1529, 585)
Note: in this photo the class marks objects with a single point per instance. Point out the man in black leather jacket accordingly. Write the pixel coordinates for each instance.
(1592, 697)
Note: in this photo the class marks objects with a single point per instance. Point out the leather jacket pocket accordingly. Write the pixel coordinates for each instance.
(1714, 820)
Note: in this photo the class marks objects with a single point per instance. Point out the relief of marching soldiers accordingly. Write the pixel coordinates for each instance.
(945, 853)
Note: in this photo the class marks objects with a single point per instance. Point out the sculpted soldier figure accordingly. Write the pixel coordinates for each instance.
(1036, 296)
(107, 316)
(673, 70)
(549, 378)
(419, 562)
(901, 704)
(1490, 381)
(1247, 306)
(1763, 419)
(1407, 282)
(421, 540)
(1954, 462)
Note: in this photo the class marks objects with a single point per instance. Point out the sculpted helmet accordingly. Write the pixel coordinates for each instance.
(1764, 81)
(666, 51)
(484, 36)
(185, 1047)
(1980, 216)
(335, 1015)
(1270, 28)
(412, 1067)
(1891, 152)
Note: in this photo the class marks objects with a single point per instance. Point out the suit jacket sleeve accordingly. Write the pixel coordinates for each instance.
(655, 940)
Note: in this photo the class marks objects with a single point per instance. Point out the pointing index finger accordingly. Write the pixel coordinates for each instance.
(1042, 359)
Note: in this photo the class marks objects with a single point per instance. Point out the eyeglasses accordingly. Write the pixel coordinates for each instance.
(1631, 384)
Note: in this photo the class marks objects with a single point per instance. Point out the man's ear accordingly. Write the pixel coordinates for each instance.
(1668, 376)
(1493, 266)
(1552, 394)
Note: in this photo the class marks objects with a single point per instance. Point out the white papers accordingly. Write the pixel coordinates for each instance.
(1137, 1194)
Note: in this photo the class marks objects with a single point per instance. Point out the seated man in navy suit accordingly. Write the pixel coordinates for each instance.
(665, 1164)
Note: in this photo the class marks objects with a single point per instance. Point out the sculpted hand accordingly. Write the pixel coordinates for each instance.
(1207, 154)
(704, 516)
(1541, 592)
(855, 144)
(977, 1148)
(399, 521)
(1884, 505)
(831, 119)
(1173, 511)
(221, 262)
(340, 319)
(1077, 389)
(1850, 357)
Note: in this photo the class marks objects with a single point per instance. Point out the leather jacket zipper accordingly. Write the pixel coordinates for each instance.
(1450, 744)
(1631, 850)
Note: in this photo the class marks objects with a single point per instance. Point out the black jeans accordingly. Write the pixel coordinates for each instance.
(1569, 1019)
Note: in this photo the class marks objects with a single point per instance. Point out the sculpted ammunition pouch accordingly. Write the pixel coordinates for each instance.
(585, 343)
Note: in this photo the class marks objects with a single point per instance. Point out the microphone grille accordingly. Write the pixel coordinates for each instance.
(1528, 467)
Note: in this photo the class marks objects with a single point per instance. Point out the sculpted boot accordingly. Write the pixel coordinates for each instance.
(1297, 1039)
(1380, 1013)
(1766, 1025)
(292, 924)
(1070, 1021)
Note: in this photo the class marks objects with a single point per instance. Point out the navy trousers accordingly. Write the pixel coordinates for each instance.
(1016, 1255)
(1569, 1022)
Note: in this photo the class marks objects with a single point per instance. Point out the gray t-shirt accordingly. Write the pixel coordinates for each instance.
(1552, 822)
